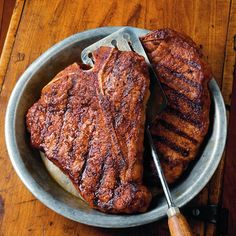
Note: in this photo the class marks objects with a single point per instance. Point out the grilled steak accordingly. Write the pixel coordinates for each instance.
(180, 129)
(90, 123)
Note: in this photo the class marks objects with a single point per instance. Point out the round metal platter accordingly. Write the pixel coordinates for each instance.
(35, 176)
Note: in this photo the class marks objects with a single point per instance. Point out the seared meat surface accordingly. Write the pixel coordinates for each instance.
(90, 123)
(180, 129)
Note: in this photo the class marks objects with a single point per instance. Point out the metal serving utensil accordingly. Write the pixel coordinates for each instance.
(126, 40)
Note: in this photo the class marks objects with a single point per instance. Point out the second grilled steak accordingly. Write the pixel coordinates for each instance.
(180, 129)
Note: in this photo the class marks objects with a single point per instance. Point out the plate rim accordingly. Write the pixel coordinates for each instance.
(108, 221)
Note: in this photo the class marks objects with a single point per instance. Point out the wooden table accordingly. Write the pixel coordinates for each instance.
(36, 25)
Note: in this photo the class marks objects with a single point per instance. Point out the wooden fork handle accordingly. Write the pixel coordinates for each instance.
(178, 225)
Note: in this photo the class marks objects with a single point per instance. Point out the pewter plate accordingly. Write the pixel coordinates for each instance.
(32, 171)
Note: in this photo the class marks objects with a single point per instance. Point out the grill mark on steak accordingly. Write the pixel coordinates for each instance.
(47, 121)
(189, 62)
(70, 100)
(164, 140)
(195, 105)
(47, 124)
(192, 63)
(167, 159)
(100, 179)
(179, 105)
(185, 117)
(56, 150)
(86, 156)
(176, 130)
(193, 84)
(65, 110)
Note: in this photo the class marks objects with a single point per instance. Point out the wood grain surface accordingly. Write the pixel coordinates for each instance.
(230, 55)
(38, 24)
(6, 8)
(229, 199)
